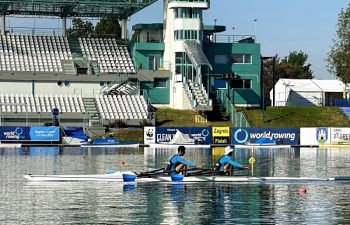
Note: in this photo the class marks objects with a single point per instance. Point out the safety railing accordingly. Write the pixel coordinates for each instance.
(237, 118)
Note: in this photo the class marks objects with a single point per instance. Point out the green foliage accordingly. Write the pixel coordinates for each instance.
(144, 123)
(296, 116)
(135, 36)
(338, 58)
(293, 66)
(108, 28)
(80, 28)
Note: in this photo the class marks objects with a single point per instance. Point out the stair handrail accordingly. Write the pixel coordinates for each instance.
(237, 118)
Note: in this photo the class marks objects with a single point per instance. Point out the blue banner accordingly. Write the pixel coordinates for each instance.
(201, 135)
(241, 135)
(20, 133)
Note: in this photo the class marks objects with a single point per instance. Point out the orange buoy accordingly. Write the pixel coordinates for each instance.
(292, 156)
(302, 190)
(122, 162)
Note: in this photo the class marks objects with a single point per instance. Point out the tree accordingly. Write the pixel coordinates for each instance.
(80, 28)
(338, 58)
(108, 27)
(293, 66)
(135, 36)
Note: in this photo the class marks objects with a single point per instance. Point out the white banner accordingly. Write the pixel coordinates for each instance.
(315, 135)
(340, 133)
(149, 135)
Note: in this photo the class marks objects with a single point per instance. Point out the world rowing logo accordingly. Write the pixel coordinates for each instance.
(241, 136)
(205, 133)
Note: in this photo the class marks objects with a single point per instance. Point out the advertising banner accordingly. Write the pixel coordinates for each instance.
(340, 134)
(149, 135)
(201, 135)
(18, 134)
(221, 135)
(315, 135)
(289, 136)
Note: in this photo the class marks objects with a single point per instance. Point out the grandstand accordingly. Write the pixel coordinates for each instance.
(180, 63)
(40, 72)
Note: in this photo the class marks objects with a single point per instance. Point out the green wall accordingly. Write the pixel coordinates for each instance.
(246, 71)
(142, 56)
(157, 95)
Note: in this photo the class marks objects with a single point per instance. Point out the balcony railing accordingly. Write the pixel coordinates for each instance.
(145, 38)
(229, 39)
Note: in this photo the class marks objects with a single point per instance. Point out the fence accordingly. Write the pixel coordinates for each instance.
(236, 117)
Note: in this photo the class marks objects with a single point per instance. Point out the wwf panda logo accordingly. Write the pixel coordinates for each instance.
(149, 133)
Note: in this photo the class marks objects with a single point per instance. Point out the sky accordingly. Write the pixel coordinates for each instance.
(282, 26)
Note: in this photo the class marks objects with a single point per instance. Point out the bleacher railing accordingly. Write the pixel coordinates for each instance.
(237, 118)
(26, 120)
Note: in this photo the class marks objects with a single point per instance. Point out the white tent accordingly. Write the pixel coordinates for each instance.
(307, 92)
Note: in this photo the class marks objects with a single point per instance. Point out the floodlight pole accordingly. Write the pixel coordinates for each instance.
(255, 30)
(233, 34)
(215, 31)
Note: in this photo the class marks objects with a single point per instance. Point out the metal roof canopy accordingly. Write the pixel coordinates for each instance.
(120, 9)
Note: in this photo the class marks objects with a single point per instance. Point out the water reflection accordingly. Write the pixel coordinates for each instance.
(172, 203)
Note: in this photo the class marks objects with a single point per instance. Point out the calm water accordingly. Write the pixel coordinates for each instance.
(23, 202)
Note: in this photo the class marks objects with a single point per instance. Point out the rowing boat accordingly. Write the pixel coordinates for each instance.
(118, 177)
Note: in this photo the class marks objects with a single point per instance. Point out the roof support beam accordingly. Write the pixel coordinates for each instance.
(67, 9)
(4, 6)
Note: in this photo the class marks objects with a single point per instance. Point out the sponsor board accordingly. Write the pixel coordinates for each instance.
(19, 133)
(221, 135)
(323, 135)
(289, 136)
(199, 134)
(314, 135)
(221, 131)
(200, 119)
(149, 135)
(340, 134)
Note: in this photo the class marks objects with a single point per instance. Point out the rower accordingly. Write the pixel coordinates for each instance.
(225, 164)
(178, 164)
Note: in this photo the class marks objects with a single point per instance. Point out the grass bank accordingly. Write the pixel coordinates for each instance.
(274, 117)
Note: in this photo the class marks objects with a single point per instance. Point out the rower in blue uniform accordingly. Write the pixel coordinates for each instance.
(225, 164)
(178, 164)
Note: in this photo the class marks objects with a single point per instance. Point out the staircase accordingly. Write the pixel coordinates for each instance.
(68, 67)
(91, 109)
(112, 88)
(75, 46)
(94, 68)
(198, 96)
